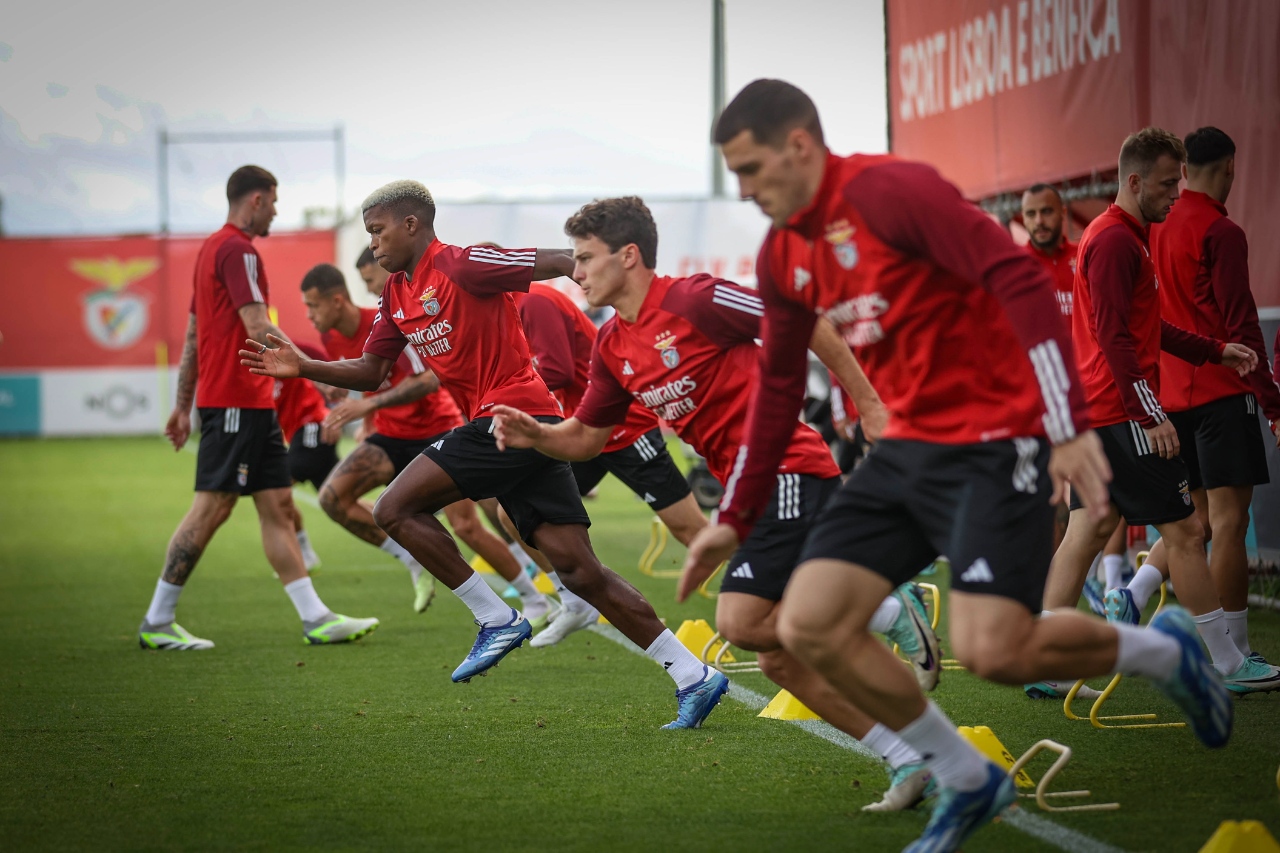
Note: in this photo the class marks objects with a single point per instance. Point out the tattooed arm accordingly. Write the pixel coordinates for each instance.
(178, 427)
(412, 389)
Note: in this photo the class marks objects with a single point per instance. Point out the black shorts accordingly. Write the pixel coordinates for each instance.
(1146, 488)
(1222, 443)
(532, 488)
(310, 459)
(986, 506)
(401, 451)
(241, 451)
(646, 467)
(763, 564)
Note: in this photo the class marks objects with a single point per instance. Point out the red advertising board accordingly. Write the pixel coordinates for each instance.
(108, 302)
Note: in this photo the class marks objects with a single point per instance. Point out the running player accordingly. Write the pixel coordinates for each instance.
(561, 338)
(408, 413)
(957, 330)
(453, 305)
(1202, 262)
(685, 348)
(1119, 333)
(241, 447)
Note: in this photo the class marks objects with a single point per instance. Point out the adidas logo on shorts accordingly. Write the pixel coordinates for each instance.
(744, 572)
(979, 572)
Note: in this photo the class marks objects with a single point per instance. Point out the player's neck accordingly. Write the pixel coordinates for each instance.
(633, 294)
(1129, 204)
(1212, 188)
(243, 220)
(349, 323)
(424, 240)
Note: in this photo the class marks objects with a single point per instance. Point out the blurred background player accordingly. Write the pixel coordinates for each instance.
(408, 412)
(1202, 263)
(241, 447)
(373, 276)
(1118, 334)
(313, 447)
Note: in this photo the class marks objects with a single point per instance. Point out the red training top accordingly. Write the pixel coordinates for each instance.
(954, 324)
(297, 400)
(690, 358)
(1062, 266)
(228, 276)
(1202, 263)
(424, 418)
(561, 338)
(458, 313)
(1117, 329)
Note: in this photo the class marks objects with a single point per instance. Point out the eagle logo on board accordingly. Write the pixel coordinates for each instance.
(666, 347)
(113, 317)
(429, 302)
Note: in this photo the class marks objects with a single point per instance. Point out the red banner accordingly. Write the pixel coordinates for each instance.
(107, 302)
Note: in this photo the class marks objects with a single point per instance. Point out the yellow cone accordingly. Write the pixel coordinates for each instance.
(1246, 836)
(989, 745)
(787, 707)
(480, 565)
(542, 583)
(695, 634)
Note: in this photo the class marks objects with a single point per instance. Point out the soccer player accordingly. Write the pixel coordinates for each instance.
(313, 453)
(1201, 260)
(561, 338)
(956, 329)
(453, 305)
(241, 447)
(373, 275)
(408, 413)
(685, 348)
(1044, 216)
(1119, 334)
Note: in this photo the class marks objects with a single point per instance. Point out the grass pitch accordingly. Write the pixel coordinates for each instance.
(265, 743)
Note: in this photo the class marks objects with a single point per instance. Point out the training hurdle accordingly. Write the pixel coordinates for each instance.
(657, 544)
(1042, 792)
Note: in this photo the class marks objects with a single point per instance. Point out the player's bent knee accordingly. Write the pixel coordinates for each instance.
(388, 512)
(332, 504)
(751, 637)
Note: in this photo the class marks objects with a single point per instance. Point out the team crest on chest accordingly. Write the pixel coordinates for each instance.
(429, 302)
(840, 236)
(666, 347)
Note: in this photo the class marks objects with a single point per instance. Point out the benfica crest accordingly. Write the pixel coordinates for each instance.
(113, 317)
(429, 302)
(666, 347)
(840, 236)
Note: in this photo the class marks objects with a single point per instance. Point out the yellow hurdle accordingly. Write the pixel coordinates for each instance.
(1042, 792)
(657, 544)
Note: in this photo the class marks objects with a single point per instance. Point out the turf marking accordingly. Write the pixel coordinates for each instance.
(1034, 825)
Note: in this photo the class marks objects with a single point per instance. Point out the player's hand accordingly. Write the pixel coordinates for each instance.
(178, 428)
(1275, 430)
(1082, 463)
(1241, 358)
(330, 434)
(281, 360)
(331, 393)
(514, 428)
(1164, 440)
(711, 547)
(874, 421)
(845, 428)
(347, 411)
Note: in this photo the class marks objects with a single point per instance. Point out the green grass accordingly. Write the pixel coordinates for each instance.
(268, 744)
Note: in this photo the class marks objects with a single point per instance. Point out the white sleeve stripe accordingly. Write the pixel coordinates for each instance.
(1051, 374)
(744, 298)
(483, 256)
(730, 486)
(507, 263)
(837, 403)
(1149, 401)
(759, 312)
(502, 253)
(251, 272)
(414, 359)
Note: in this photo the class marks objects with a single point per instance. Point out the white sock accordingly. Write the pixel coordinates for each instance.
(521, 555)
(1212, 627)
(1146, 583)
(485, 605)
(954, 761)
(524, 585)
(303, 595)
(1143, 651)
(885, 743)
(680, 663)
(164, 603)
(886, 614)
(1113, 565)
(398, 551)
(568, 598)
(1238, 624)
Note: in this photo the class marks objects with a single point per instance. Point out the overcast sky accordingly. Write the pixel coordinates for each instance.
(500, 99)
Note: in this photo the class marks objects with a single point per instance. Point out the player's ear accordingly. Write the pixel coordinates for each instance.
(411, 224)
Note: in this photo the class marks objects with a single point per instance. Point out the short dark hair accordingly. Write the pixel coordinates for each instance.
(327, 279)
(1035, 189)
(365, 259)
(1141, 150)
(770, 109)
(248, 179)
(1208, 145)
(618, 222)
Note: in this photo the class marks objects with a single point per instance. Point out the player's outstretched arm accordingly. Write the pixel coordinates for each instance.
(412, 389)
(571, 440)
(710, 547)
(282, 360)
(552, 263)
(835, 354)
